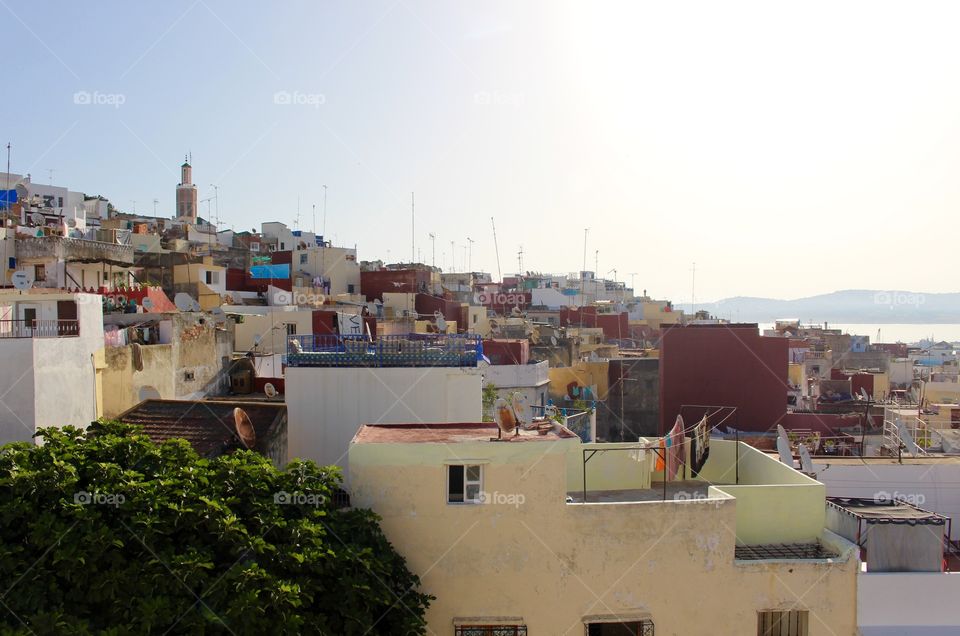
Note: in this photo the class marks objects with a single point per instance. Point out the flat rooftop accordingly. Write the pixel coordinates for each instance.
(451, 433)
(689, 490)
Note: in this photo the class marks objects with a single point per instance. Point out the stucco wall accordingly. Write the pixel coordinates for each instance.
(17, 390)
(326, 406)
(908, 600)
(125, 386)
(555, 564)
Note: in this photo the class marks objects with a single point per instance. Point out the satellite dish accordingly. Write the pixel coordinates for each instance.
(183, 301)
(71, 223)
(521, 410)
(195, 306)
(494, 327)
(37, 219)
(783, 446)
(906, 438)
(516, 311)
(806, 463)
(863, 392)
(22, 279)
(553, 340)
(441, 322)
(244, 427)
(504, 416)
(270, 390)
(219, 317)
(147, 303)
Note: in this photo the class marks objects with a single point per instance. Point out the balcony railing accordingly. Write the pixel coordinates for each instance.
(412, 350)
(39, 328)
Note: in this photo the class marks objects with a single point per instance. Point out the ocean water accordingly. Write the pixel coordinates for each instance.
(896, 332)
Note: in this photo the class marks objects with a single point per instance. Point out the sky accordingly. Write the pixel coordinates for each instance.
(786, 149)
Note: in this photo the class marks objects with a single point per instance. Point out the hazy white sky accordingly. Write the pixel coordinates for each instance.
(788, 149)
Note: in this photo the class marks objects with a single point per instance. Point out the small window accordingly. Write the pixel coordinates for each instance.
(303, 259)
(291, 328)
(188, 376)
(209, 278)
(39, 273)
(464, 483)
(786, 623)
(254, 247)
(625, 628)
(490, 630)
(283, 246)
(59, 202)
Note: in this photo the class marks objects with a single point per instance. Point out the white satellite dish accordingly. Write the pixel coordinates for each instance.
(71, 223)
(441, 322)
(219, 317)
(504, 416)
(522, 410)
(37, 219)
(863, 392)
(270, 390)
(494, 326)
(244, 428)
(183, 301)
(806, 463)
(783, 446)
(195, 306)
(22, 279)
(906, 438)
(147, 303)
(553, 340)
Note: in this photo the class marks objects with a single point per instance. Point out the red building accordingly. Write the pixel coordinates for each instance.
(409, 281)
(723, 365)
(615, 326)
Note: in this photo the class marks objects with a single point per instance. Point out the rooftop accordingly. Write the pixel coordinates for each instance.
(207, 424)
(450, 434)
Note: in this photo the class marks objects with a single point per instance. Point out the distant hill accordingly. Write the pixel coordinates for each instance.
(848, 306)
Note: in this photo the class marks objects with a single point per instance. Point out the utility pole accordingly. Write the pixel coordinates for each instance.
(433, 247)
(470, 257)
(632, 274)
(155, 202)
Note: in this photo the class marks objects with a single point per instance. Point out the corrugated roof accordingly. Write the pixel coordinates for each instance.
(207, 424)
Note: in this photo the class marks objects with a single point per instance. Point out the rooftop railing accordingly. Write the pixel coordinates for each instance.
(411, 350)
(39, 328)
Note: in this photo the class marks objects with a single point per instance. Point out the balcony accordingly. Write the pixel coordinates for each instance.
(39, 328)
(411, 350)
(74, 250)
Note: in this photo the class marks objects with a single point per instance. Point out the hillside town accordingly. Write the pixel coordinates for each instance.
(550, 453)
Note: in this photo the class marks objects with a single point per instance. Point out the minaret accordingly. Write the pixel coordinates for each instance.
(186, 194)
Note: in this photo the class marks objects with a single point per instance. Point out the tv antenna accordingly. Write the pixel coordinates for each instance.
(520, 261)
(433, 247)
(470, 256)
(496, 249)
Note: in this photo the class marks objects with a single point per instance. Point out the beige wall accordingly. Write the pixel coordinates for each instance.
(127, 387)
(555, 565)
(271, 330)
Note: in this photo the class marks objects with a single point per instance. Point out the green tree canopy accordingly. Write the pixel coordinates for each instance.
(104, 531)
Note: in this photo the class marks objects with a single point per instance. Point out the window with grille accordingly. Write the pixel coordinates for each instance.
(625, 628)
(785, 623)
(464, 483)
(291, 328)
(490, 630)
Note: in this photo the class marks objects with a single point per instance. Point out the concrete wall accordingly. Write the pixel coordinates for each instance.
(555, 565)
(270, 329)
(127, 387)
(326, 406)
(17, 388)
(632, 408)
(898, 603)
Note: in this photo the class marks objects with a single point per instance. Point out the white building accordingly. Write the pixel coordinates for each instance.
(51, 345)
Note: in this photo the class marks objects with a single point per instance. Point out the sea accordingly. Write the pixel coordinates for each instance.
(907, 333)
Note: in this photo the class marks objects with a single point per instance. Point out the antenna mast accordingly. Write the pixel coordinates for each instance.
(413, 233)
(495, 248)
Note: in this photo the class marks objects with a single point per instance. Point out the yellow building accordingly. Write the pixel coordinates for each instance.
(204, 282)
(499, 532)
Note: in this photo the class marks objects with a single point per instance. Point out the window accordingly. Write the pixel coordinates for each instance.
(59, 202)
(464, 483)
(209, 277)
(783, 623)
(626, 628)
(254, 247)
(303, 259)
(39, 273)
(490, 630)
(291, 328)
(283, 245)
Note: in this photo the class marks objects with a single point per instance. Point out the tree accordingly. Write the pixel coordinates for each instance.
(104, 531)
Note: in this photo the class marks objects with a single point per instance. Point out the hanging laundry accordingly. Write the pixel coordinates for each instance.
(701, 446)
(675, 448)
(661, 454)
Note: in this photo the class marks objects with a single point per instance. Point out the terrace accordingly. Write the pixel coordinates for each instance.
(410, 350)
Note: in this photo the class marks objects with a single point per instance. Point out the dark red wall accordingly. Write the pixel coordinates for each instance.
(827, 423)
(615, 326)
(503, 351)
(723, 365)
(426, 305)
(240, 280)
(374, 284)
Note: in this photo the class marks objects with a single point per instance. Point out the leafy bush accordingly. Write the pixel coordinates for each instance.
(103, 531)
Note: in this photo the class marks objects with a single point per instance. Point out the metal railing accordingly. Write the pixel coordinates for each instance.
(39, 328)
(411, 350)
